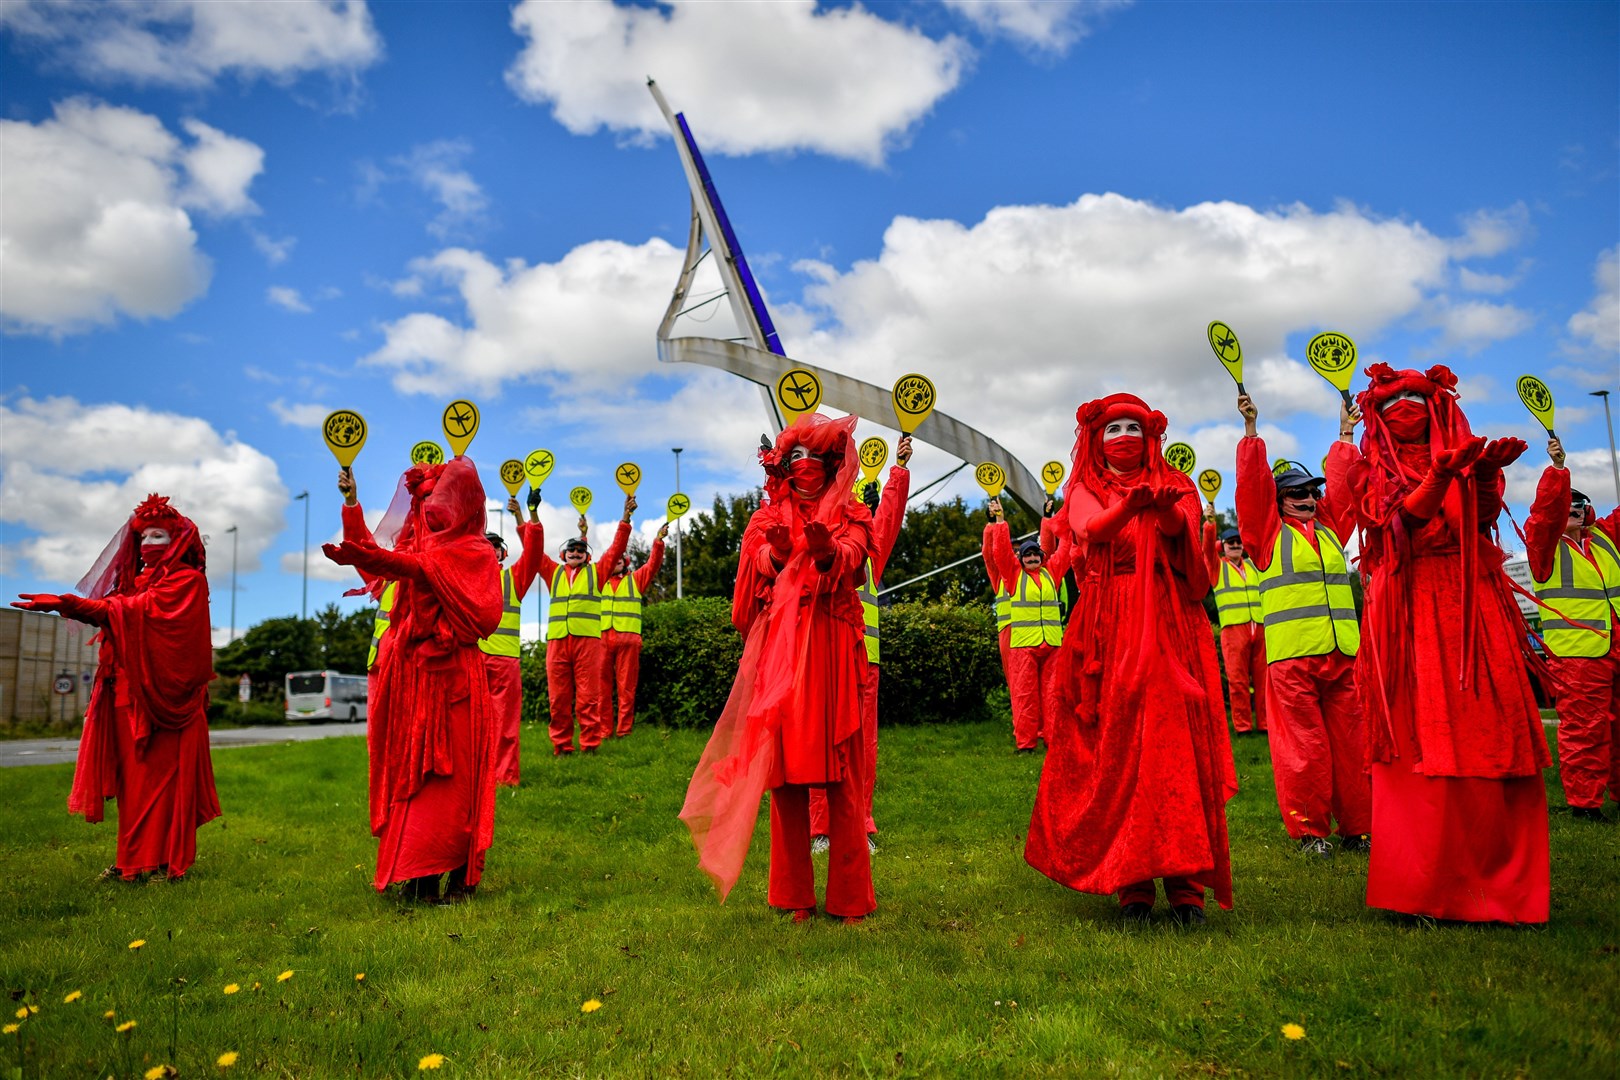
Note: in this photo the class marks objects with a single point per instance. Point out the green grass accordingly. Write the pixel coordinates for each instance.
(974, 964)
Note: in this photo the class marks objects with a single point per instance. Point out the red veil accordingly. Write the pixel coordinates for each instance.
(722, 803)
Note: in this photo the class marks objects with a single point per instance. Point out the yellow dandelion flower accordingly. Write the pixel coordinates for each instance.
(590, 1006)
(157, 1072)
(359, 976)
(22, 1012)
(127, 1025)
(257, 985)
(32, 1009)
(284, 976)
(226, 1060)
(11, 1029)
(137, 943)
(1293, 1031)
(231, 988)
(432, 1061)
(73, 996)
(108, 1015)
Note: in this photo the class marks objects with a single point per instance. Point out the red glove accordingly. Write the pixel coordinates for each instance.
(1453, 461)
(781, 543)
(348, 553)
(367, 556)
(39, 601)
(819, 540)
(1500, 453)
(1166, 497)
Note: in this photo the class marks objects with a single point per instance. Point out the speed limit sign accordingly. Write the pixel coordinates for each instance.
(64, 683)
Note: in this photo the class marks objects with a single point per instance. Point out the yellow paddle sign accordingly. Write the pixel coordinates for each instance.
(345, 433)
(512, 475)
(1181, 457)
(990, 477)
(874, 452)
(427, 452)
(581, 498)
(1538, 399)
(1209, 482)
(1280, 466)
(1333, 356)
(1052, 475)
(460, 425)
(1227, 351)
(537, 466)
(913, 401)
(627, 476)
(798, 391)
(677, 505)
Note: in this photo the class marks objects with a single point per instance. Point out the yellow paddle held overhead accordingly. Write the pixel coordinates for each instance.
(1209, 482)
(990, 476)
(1052, 475)
(677, 505)
(798, 391)
(537, 466)
(460, 425)
(913, 401)
(628, 477)
(1227, 351)
(1538, 399)
(427, 452)
(1280, 466)
(512, 475)
(345, 433)
(1180, 457)
(874, 452)
(581, 498)
(1333, 356)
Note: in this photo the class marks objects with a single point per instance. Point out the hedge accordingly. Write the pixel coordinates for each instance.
(940, 665)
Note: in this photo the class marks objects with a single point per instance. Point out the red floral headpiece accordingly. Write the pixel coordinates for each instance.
(1094, 414)
(156, 513)
(1386, 382)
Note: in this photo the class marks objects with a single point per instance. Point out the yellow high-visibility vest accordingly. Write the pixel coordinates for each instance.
(869, 612)
(1003, 608)
(379, 625)
(622, 604)
(504, 641)
(1237, 596)
(1587, 597)
(1305, 598)
(1036, 617)
(576, 606)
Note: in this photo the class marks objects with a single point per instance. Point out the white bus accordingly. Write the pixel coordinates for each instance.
(325, 695)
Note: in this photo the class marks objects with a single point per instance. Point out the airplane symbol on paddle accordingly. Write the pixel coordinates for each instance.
(461, 419)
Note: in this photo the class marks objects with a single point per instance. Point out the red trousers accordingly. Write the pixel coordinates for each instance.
(1177, 891)
(1588, 727)
(849, 864)
(574, 680)
(1243, 651)
(1319, 745)
(621, 668)
(505, 674)
(1036, 687)
(869, 720)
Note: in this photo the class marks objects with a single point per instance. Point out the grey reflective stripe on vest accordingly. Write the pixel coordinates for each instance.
(1600, 625)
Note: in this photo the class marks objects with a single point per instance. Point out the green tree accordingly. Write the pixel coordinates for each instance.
(345, 640)
(936, 534)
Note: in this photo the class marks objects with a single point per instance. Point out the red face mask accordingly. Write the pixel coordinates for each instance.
(1407, 420)
(152, 554)
(1124, 452)
(808, 476)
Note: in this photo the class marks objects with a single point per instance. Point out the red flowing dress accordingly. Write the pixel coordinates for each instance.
(1135, 786)
(1455, 738)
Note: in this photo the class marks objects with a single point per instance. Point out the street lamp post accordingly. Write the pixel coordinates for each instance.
(1614, 460)
(304, 611)
(234, 535)
(678, 593)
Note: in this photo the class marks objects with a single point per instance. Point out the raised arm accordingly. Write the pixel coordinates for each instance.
(1549, 514)
(655, 560)
(890, 515)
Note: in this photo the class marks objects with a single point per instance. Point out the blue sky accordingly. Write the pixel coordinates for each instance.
(224, 220)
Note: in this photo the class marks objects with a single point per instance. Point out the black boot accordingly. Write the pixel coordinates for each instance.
(424, 890)
(457, 890)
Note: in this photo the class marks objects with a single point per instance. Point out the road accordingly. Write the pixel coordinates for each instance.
(57, 751)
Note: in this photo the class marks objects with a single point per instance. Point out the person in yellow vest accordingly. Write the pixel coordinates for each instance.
(355, 528)
(1575, 567)
(624, 593)
(574, 634)
(503, 649)
(1243, 638)
(1035, 637)
(1296, 537)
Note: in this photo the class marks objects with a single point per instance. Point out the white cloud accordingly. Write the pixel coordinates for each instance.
(1470, 325)
(95, 221)
(585, 321)
(320, 567)
(1590, 471)
(753, 77)
(436, 168)
(193, 42)
(275, 251)
(66, 476)
(1491, 232)
(1051, 26)
(1494, 284)
(285, 296)
(1598, 325)
(308, 414)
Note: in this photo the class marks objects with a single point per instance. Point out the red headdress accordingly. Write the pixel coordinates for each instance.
(833, 441)
(1392, 470)
(1091, 469)
(118, 566)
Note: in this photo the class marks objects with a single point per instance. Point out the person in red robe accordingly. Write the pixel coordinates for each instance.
(888, 509)
(621, 645)
(145, 739)
(1454, 737)
(431, 730)
(1134, 787)
(793, 719)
